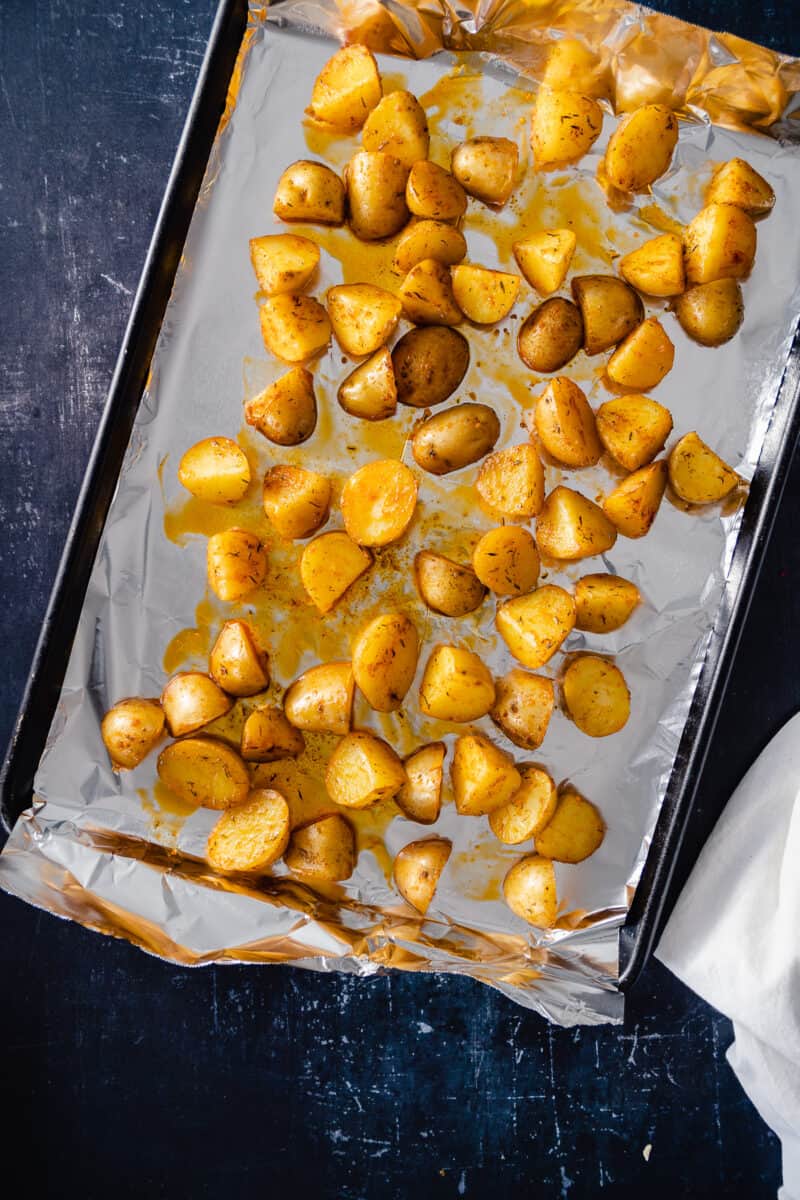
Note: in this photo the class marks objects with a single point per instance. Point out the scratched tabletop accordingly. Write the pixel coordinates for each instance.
(127, 1077)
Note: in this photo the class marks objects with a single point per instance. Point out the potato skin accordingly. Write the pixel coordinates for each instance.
(429, 364)
(376, 194)
(363, 316)
(486, 168)
(511, 482)
(447, 587)
(420, 799)
(370, 392)
(570, 526)
(250, 836)
(427, 295)
(711, 313)
(633, 429)
(286, 411)
(633, 504)
(575, 830)
(656, 267)
(641, 147)
(398, 126)
(268, 736)
(484, 776)
(362, 771)
(603, 603)
(296, 500)
(130, 730)
(237, 563)
(610, 310)
(534, 626)
(215, 469)
(643, 359)
(321, 699)
(433, 193)
(205, 771)
(551, 335)
(564, 126)
(310, 192)
(191, 700)
(294, 327)
(528, 810)
(329, 565)
(720, 243)
(596, 696)
(698, 475)
(323, 849)
(454, 438)
(237, 663)
(378, 502)
(429, 239)
(529, 890)
(565, 424)
(736, 182)
(523, 707)
(506, 560)
(346, 90)
(417, 869)
(385, 654)
(544, 258)
(283, 262)
(456, 686)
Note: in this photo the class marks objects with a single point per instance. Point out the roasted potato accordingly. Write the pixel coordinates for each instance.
(633, 429)
(323, 849)
(454, 438)
(427, 295)
(632, 505)
(237, 663)
(130, 730)
(429, 239)
(565, 424)
(643, 359)
(511, 482)
(321, 699)
(329, 565)
(363, 770)
(191, 700)
(237, 563)
(363, 316)
(711, 313)
(575, 830)
(420, 798)
(570, 526)
(720, 243)
(346, 90)
(610, 309)
(506, 560)
(564, 126)
(370, 392)
(544, 258)
(736, 182)
(656, 267)
(385, 654)
(294, 328)
(523, 707)
(204, 770)
(433, 193)
(484, 776)
(484, 296)
(572, 66)
(456, 686)
(551, 335)
(604, 603)
(250, 836)
(528, 810)
(417, 869)
(376, 184)
(286, 411)
(283, 262)
(398, 126)
(697, 474)
(640, 148)
(486, 168)
(429, 364)
(596, 695)
(378, 502)
(446, 586)
(216, 470)
(310, 192)
(296, 500)
(534, 626)
(529, 890)
(267, 736)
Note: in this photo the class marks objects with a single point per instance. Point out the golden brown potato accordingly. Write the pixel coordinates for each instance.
(296, 500)
(370, 392)
(564, 126)
(321, 699)
(237, 662)
(267, 736)
(575, 830)
(250, 836)
(130, 730)
(736, 182)
(346, 90)
(570, 526)
(643, 359)
(363, 316)
(378, 502)
(484, 776)
(323, 849)
(417, 869)
(329, 565)
(427, 295)
(640, 148)
(385, 654)
(534, 626)
(523, 707)
(429, 364)
(204, 770)
(528, 810)
(697, 474)
(551, 335)
(633, 429)
(215, 470)
(656, 267)
(294, 328)
(429, 239)
(633, 503)
(376, 184)
(484, 296)
(711, 313)
(572, 66)
(565, 424)
(720, 243)
(456, 686)
(286, 411)
(310, 192)
(191, 700)
(398, 126)
(237, 563)
(363, 770)
(453, 439)
(446, 586)
(609, 310)
(420, 799)
(544, 258)
(486, 168)
(506, 560)
(511, 482)
(596, 696)
(283, 262)
(529, 890)
(433, 193)
(604, 603)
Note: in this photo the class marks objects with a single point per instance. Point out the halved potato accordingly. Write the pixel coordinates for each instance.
(346, 90)
(453, 439)
(528, 810)
(643, 359)
(534, 626)
(417, 869)
(215, 469)
(610, 309)
(378, 502)
(321, 699)
(398, 126)
(433, 193)
(363, 770)
(523, 707)
(640, 148)
(294, 328)
(446, 586)
(191, 700)
(656, 267)
(429, 239)
(268, 736)
(370, 392)
(310, 192)
(572, 66)
(711, 313)
(237, 662)
(376, 184)
(484, 296)
(736, 182)
(323, 849)
(564, 126)
(570, 526)
(529, 890)
(484, 776)
(697, 474)
(296, 500)
(720, 243)
(456, 686)
(506, 560)
(363, 316)
(427, 295)
(632, 505)
(486, 168)
(329, 565)
(551, 335)
(596, 696)
(204, 770)
(575, 830)
(429, 364)
(283, 262)
(544, 258)
(511, 482)
(604, 603)
(633, 429)
(385, 654)
(237, 563)
(420, 798)
(565, 424)
(130, 730)
(286, 411)
(250, 836)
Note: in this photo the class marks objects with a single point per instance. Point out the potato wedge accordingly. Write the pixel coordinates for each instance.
(534, 626)
(130, 730)
(564, 126)
(575, 830)
(643, 359)
(633, 503)
(454, 438)
(511, 482)
(711, 313)
(286, 411)
(486, 168)
(570, 526)
(633, 429)
(429, 364)
(250, 836)
(529, 890)
(641, 147)
(565, 424)
(330, 564)
(523, 707)
(237, 563)
(720, 243)
(370, 392)
(427, 295)
(385, 653)
(596, 696)
(346, 90)
(268, 736)
(484, 776)
(294, 328)
(434, 194)
(362, 771)
(237, 662)
(528, 810)
(697, 474)
(376, 184)
(321, 699)
(544, 258)
(205, 771)
(417, 869)
(420, 798)
(398, 126)
(296, 501)
(736, 182)
(323, 849)
(310, 192)
(506, 560)
(215, 469)
(283, 262)
(456, 686)
(447, 587)
(656, 267)
(551, 335)
(363, 316)
(378, 502)
(610, 309)
(191, 700)
(572, 66)
(429, 239)
(604, 603)
(484, 296)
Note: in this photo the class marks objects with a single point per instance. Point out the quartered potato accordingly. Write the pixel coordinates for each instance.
(215, 469)
(434, 194)
(323, 849)
(378, 502)
(370, 392)
(453, 439)
(283, 262)
(511, 482)
(130, 730)
(427, 295)
(551, 335)
(736, 182)
(604, 603)
(633, 429)
(321, 699)
(204, 770)
(572, 66)
(376, 184)
(506, 560)
(596, 696)
(697, 474)
(237, 663)
(250, 836)
(484, 296)
(429, 239)
(528, 810)
(420, 798)
(720, 243)
(523, 707)
(456, 686)
(346, 90)
(534, 626)
(564, 126)
(237, 563)
(565, 424)
(385, 654)
(640, 148)
(429, 364)
(398, 126)
(296, 500)
(294, 328)
(363, 770)
(643, 359)
(711, 313)
(310, 192)
(417, 869)
(610, 309)
(544, 258)
(575, 830)
(363, 316)
(656, 267)
(268, 736)
(570, 526)
(486, 168)
(446, 586)
(286, 411)
(529, 890)
(329, 565)
(484, 776)
(191, 700)
(633, 503)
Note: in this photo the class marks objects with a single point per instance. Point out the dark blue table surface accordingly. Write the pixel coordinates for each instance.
(122, 1075)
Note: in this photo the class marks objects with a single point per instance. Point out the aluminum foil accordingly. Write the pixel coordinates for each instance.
(115, 852)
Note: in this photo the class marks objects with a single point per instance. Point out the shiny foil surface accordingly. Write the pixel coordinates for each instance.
(116, 852)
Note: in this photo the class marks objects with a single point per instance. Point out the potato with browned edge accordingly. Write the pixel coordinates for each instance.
(398, 126)
(506, 560)
(283, 262)
(633, 504)
(454, 438)
(130, 730)
(484, 296)
(570, 526)
(486, 168)
(551, 335)
(323, 849)
(362, 771)
(736, 182)
(523, 707)
(596, 695)
(191, 700)
(427, 295)
(640, 149)
(564, 126)
(310, 192)
(484, 776)
(575, 830)
(294, 328)
(268, 736)
(511, 482)
(429, 364)
(296, 500)
(528, 810)
(250, 836)
(544, 258)
(378, 502)
(565, 424)
(286, 411)
(529, 890)
(346, 90)
(363, 316)
(656, 267)
(329, 565)
(447, 587)
(417, 869)
(604, 603)
(237, 662)
(643, 359)
(711, 313)
(610, 309)
(633, 429)
(215, 469)
(697, 474)
(456, 686)
(433, 194)
(321, 699)
(236, 562)
(370, 392)
(376, 185)
(205, 771)
(420, 798)
(534, 626)
(385, 653)
(428, 239)
(720, 243)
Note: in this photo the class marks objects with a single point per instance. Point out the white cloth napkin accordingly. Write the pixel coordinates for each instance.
(734, 937)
